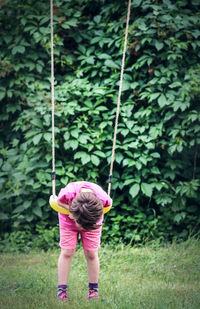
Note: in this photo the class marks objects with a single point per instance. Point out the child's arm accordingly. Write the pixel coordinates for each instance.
(66, 195)
(66, 206)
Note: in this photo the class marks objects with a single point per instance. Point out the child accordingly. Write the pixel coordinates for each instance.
(85, 201)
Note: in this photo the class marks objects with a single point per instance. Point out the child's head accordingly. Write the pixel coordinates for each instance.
(86, 209)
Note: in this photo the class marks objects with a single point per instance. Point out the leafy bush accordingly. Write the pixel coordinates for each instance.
(23, 241)
(156, 176)
(18, 241)
(47, 238)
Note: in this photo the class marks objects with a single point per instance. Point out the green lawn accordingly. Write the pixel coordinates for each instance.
(147, 277)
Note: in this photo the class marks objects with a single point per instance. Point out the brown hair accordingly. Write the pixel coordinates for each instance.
(86, 209)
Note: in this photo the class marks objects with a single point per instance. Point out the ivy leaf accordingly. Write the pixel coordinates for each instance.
(69, 24)
(147, 189)
(99, 91)
(100, 153)
(71, 144)
(143, 160)
(138, 165)
(22, 207)
(155, 155)
(119, 157)
(179, 217)
(37, 122)
(82, 48)
(3, 216)
(154, 96)
(85, 158)
(162, 101)
(159, 45)
(124, 132)
(39, 67)
(104, 56)
(83, 138)
(155, 170)
(134, 190)
(137, 3)
(37, 138)
(97, 19)
(75, 133)
(18, 209)
(111, 64)
(18, 49)
(47, 136)
(130, 124)
(129, 181)
(143, 26)
(66, 136)
(95, 160)
(126, 85)
(90, 60)
(134, 85)
(37, 211)
(41, 202)
(154, 132)
(2, 93)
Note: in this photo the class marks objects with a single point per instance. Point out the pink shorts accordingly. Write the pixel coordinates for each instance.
(69, 234)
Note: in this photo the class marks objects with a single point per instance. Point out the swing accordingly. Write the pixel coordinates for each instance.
(53, 198)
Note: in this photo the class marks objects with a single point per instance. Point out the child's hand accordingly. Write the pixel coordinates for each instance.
(66, 206)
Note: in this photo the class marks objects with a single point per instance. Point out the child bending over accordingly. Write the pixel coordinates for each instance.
(85, 202)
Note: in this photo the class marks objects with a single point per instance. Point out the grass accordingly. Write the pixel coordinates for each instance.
(135, 278)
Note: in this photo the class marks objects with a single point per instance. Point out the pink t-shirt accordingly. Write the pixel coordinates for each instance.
(67, 194)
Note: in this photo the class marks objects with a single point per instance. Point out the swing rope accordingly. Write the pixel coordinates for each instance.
(118, 102)
(119, 98)
(53, 105)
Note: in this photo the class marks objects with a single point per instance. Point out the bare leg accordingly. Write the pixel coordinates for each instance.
(92, 265)
(64, 265)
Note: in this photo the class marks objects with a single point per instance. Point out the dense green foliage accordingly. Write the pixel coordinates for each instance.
(156, 176)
